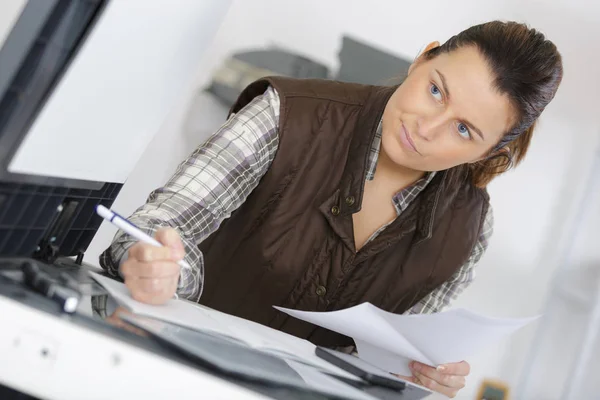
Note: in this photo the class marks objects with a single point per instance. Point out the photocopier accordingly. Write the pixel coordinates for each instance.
(84, 86)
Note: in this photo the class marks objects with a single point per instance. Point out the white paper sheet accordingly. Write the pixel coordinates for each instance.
(327, 384)
(391, 341)
(195, 316)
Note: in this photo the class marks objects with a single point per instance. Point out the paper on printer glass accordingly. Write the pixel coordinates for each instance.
(390, 341)
(195, 316)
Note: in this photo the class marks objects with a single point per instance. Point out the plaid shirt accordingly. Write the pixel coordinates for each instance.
(219, 175)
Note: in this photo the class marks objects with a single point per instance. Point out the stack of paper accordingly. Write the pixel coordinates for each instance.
(390, 341)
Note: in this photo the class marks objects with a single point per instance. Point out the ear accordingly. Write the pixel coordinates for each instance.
(430, 46)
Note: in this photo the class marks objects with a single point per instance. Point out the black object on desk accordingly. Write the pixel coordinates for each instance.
(378, 378)
(41, 282)
(360, 368)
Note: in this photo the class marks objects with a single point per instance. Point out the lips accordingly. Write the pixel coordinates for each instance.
(406, 139)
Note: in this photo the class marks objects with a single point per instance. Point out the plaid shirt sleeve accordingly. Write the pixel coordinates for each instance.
(207, 187)
(441, 297)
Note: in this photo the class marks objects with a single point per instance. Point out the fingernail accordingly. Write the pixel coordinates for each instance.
(441, 368)
(414, 366)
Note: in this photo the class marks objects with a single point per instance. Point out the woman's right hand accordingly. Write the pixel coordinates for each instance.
(151, 273)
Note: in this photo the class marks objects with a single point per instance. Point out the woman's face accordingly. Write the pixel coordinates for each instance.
(445, 113)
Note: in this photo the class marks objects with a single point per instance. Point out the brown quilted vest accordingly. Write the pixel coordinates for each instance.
(291, 243)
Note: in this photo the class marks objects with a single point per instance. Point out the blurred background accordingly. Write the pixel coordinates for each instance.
(544, 256)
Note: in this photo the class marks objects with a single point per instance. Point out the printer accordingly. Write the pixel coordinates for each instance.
(84, 86)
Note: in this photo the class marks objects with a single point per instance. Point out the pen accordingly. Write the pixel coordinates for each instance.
(132, 230)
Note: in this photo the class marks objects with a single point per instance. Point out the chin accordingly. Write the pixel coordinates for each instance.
(396, 152)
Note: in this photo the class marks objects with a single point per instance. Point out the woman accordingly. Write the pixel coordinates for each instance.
(321, 195)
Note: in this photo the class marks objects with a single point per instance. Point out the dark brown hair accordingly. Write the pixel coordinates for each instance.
(528, 69)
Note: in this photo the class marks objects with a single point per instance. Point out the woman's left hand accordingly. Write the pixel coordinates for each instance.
(446, 379)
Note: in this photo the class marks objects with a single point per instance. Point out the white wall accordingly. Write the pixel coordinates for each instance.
(534, 205)
(561, 351)
(9, 15)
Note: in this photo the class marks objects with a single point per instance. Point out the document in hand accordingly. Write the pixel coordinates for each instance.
(390, 341)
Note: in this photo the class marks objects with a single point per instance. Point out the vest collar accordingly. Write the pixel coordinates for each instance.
(353, 179)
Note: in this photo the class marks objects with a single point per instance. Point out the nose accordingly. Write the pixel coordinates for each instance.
(430, 126)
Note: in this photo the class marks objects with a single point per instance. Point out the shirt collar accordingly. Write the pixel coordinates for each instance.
(404, 197)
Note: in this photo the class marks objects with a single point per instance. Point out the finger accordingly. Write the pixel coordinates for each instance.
(151, 285)
(462, 368)
(170, 238)
(153, 299)
(451, 381)
(159, 294)
(433, 385)
(147, 252)
(156, 269)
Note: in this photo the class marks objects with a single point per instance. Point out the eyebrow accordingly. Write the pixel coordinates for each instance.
(445, 86)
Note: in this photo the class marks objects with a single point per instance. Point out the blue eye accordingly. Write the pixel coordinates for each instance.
(435, 92)
(463, 130)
